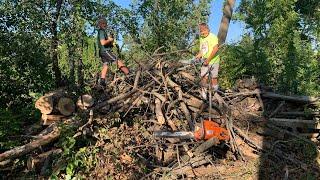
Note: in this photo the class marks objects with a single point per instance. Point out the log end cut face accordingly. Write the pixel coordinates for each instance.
(66, 106)
(85, 101)
(45, 104)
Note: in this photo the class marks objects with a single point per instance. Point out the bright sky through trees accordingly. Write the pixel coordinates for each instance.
(236, 29)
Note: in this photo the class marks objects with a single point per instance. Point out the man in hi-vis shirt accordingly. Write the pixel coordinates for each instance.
(207, 53)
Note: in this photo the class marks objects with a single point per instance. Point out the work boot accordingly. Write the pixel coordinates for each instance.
(103, 82)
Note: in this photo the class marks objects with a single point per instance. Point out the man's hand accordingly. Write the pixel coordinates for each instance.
(198, 56)
(110, 39)
(206, 62)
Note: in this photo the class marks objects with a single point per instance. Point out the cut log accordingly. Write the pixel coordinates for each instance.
(248, 83)
(192, 163)
(45, 104)
(22, 150)
(85, 101)
(36, 162)
(49, 119)
(301, 99)
(296, 113)
(203, 172)
(187, 76)
(194, 102)
(296, 123)
(66, 106)
(206, 145)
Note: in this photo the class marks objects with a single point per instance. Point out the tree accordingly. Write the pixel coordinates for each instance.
(170, 25)
(285, 43)
(225, 20)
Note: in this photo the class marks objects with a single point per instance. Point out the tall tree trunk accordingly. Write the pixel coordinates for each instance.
(54, 44)
(80, 63)
(71, 50)
(225, 21)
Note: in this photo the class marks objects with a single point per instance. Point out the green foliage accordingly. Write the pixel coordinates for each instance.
(283, 48)
(23, 69)
(237, 62)
(162, 26)
(10, 126)
(78, 160)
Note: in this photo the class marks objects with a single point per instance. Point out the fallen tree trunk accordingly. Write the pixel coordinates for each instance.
(36, 162)
(22, 150)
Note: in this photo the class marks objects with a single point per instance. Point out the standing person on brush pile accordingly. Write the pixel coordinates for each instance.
(208, 54)
(105, 43)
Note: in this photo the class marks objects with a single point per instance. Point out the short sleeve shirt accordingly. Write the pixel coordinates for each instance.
(206, 47)
(102, 35)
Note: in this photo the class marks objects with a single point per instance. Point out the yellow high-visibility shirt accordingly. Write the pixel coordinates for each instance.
(206, 46)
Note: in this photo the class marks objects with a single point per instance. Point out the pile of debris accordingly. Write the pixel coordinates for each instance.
(163, 97)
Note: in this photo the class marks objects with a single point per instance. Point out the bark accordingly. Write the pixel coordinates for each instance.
(301, 99)
(22, 150)
(49, 119)
(296, 123)
(80, 64)
(297, 113)
(37, 162)
(71, 50)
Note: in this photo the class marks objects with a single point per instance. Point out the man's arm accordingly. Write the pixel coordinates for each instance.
(106, 41)
(198, 56)
(103, 40)
(212, 54)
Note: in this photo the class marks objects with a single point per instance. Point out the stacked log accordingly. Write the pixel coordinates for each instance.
(85, 101)
(55, 106)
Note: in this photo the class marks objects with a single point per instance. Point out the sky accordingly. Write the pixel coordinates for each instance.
(236, 29)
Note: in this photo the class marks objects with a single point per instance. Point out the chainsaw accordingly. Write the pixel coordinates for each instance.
(206, 130)
(192, 61)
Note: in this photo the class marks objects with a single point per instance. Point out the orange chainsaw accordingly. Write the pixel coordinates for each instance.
(208, 129)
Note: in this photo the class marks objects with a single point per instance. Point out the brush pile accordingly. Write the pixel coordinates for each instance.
(165, 95)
